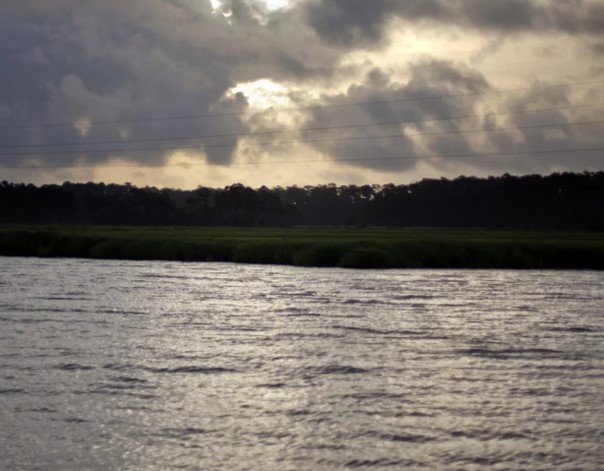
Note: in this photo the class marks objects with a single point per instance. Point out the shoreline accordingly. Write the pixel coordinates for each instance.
(312, 247)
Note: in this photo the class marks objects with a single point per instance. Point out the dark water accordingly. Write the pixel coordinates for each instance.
(147, 365)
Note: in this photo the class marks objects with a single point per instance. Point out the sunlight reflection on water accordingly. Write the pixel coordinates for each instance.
(109, 364)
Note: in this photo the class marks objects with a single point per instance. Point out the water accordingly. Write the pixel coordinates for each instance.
(153, 365)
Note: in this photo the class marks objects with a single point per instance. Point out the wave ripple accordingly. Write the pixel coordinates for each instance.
(161, 365)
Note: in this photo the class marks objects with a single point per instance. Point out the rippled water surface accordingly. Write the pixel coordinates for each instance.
(157, 365)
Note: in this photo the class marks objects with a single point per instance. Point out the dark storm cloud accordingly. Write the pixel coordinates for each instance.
(530, 135)
(488, 126)
(456, 90)
(359, 22)
(82, 61)
(515, 142)
(116, 60)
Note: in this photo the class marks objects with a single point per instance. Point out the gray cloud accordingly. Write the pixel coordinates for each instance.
(361, 23)
(528, 134)
(76, 61)
(460, 92)
(598, 48)
(563, 135)
(358, 22)
(456, 90)
(117, 60)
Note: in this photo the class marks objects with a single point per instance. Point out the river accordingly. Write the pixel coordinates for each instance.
(162, 365)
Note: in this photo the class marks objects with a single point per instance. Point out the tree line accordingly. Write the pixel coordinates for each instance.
(563, 201)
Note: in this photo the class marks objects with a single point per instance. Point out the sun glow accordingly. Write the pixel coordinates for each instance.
(270, 5)
(276, 4)
(263, 94)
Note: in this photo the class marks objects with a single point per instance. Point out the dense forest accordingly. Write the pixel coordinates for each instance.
(563, 201)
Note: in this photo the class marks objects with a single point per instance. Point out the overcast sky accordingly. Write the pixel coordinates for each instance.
(83, 82)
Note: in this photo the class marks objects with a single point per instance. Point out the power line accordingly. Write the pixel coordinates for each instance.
(435, 133)
(308, 108)
(355, 159)
(303, 141)
(433, 156)
(258, 133)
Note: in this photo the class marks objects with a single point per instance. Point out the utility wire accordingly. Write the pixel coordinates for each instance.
(355, 159)
(435, 133)
(270, 132)
(303, 141)
(308, 108)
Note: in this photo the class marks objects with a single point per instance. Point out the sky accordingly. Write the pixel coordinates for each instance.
(182, 93)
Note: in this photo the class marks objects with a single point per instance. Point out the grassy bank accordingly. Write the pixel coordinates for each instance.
(351, 248)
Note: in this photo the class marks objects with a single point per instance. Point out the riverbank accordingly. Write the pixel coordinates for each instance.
(319, 247)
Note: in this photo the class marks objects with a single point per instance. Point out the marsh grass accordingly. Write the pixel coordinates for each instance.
(349, 248)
